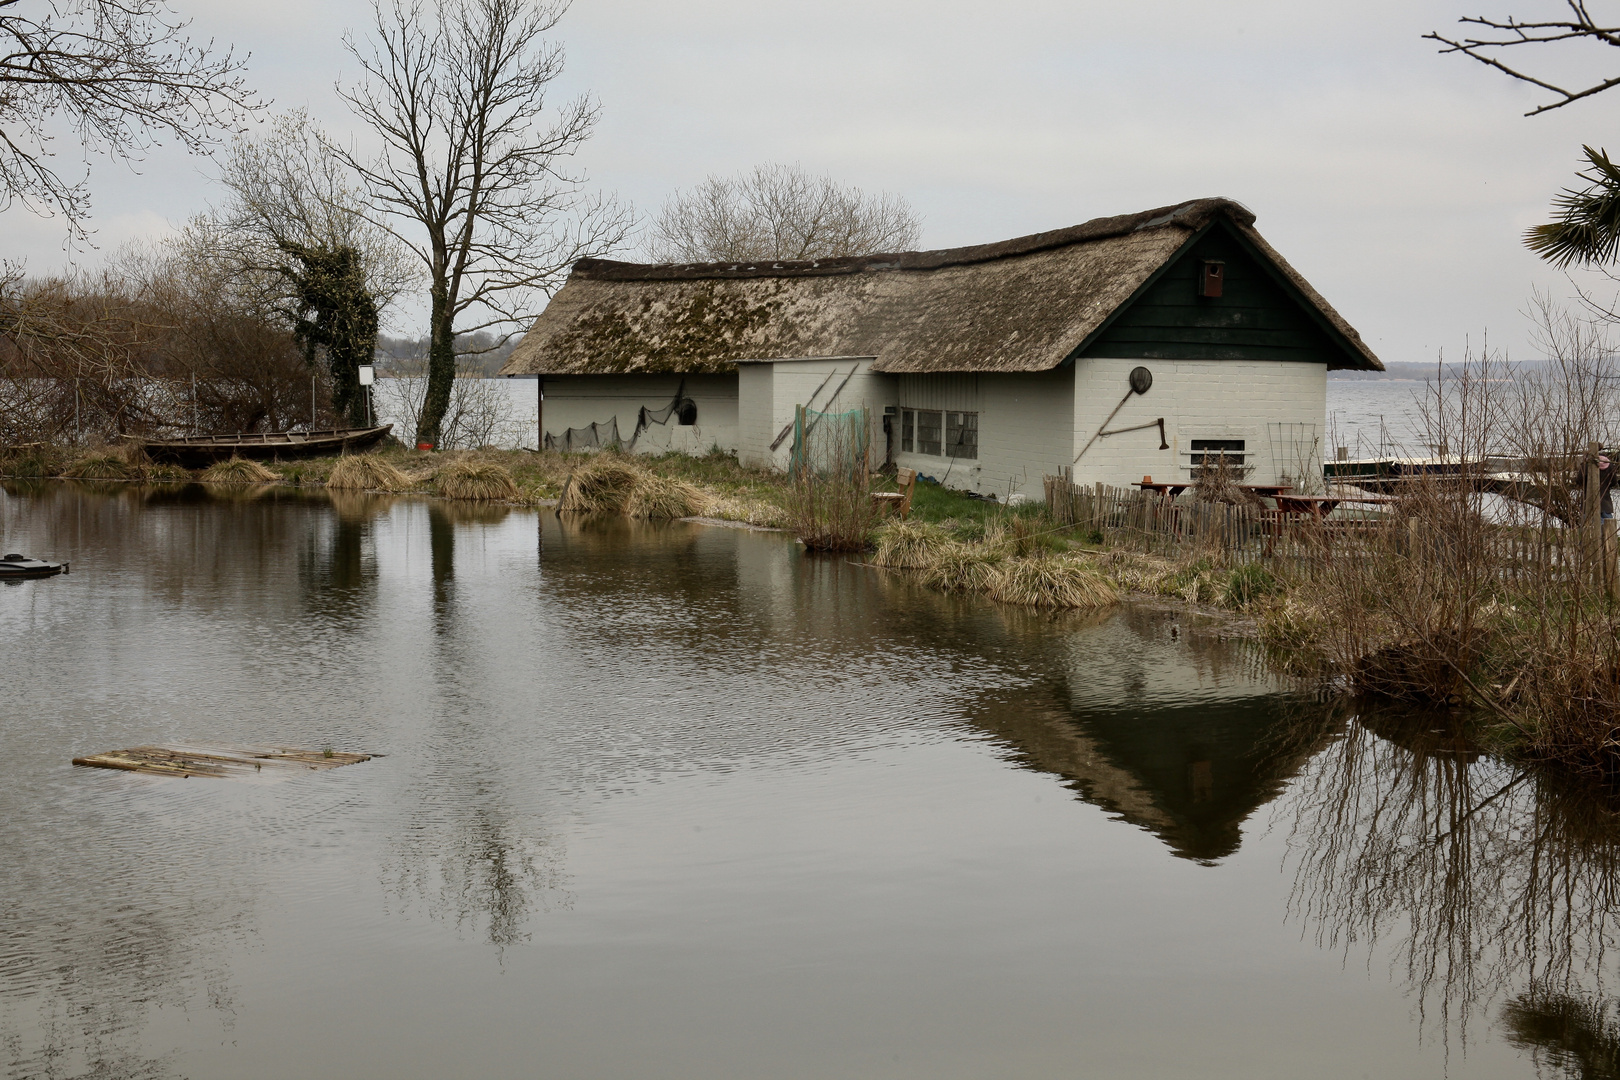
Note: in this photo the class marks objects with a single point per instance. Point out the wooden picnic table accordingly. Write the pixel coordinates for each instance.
(1176, 487)
(1322, 505)
(1166, 488)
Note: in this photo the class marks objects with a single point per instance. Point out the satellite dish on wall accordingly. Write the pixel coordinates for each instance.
(1141, 380)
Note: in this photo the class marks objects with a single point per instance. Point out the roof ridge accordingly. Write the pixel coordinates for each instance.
(1191, 215)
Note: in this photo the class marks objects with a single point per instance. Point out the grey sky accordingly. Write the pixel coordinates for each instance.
(1396, 180)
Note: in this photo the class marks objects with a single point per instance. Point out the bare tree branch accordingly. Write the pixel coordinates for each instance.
(122, 74)
(1510, 32)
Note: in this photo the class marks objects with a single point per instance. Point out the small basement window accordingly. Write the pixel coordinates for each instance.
(686, 414)
(1214, 451)
(962, 434)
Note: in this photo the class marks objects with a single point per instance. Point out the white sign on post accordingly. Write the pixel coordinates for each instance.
(368, 374)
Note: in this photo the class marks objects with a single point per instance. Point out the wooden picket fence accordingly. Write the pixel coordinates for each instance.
(1152, 522)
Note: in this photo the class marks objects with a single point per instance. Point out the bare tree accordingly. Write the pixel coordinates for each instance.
(1506, 33)
(122, 74)
(475, 164)
(779, 212)
(296, 231)
(290, 187)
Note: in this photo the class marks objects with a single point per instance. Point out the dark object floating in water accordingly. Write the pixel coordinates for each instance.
(187, 762)
(21, 566)
(199, 451)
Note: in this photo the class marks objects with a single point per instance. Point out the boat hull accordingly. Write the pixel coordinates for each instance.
(202, 451)
(15, 568)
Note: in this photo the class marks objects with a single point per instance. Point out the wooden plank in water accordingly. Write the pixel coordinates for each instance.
(187, 762)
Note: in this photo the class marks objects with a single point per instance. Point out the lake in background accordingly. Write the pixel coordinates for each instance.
(680, 801)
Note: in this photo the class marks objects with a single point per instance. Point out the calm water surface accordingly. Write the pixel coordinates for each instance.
(678, 801)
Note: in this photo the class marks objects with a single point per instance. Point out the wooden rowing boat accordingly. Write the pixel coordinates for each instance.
(199, 451)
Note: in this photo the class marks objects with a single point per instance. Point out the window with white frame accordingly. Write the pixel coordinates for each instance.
(939, 433)
(1229, 452)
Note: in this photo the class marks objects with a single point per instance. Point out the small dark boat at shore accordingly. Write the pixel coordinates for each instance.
(200, 451)
(16, 567)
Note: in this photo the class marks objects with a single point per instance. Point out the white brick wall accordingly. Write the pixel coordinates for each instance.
(1233, 399)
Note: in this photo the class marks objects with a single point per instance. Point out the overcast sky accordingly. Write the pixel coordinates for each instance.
(1398, 181)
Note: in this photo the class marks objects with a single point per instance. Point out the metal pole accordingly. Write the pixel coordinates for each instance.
(78, 432)
(312, 403)
(540, 411)
(194, 403)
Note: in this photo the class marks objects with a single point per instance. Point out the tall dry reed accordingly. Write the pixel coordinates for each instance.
(1491, 584)
(830, 505)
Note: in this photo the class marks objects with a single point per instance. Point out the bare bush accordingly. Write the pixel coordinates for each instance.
(779, 212)
(1494, 583)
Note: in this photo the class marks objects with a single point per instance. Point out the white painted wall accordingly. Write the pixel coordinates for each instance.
(1026, 428)
(1278, 408)
(827, 384)
(580, 400)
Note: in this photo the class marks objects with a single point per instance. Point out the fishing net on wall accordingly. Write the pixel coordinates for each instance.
(828, 442)
(594, 437)
(681, 410)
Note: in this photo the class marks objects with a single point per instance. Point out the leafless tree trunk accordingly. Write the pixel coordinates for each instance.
(779, 212)
(122, 73)
(474, 164)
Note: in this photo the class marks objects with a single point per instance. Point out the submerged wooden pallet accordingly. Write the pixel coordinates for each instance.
(187, 762)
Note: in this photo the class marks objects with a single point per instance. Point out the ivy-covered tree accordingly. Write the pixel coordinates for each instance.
(298, 234)
(334, 314)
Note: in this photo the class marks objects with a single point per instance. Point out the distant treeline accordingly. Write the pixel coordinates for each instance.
(477, 354)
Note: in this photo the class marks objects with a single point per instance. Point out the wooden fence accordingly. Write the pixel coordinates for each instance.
(1152, 522)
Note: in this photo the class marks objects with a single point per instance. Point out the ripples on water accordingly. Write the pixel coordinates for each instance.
(679, 801)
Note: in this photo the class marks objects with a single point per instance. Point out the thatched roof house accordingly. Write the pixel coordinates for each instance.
(1020, 305)
(1193, 284)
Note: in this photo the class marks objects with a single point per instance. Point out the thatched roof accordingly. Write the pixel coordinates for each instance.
(1019, 305)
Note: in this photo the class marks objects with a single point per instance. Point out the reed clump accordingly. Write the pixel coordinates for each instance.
(614, 485)
(910, 545)
(1050, 582)
(659, 497)
(101, 465)
(830, 503)
(238, 470)
(367, 472)
(475, 480)
(601, 487)
(957, 567)
(166, 473)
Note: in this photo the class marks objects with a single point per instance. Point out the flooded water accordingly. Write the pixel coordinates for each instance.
(679, 801)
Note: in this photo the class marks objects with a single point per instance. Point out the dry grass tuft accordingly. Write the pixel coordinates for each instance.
(475, 480)
(661, 497)
(366, 472)
(910, 545)
(1049, 582)
(602, 487)
(960, 568)
(102, 466)
(167, 473)
(238, 470)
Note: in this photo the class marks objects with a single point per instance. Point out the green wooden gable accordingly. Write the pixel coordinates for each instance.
(1259, 316)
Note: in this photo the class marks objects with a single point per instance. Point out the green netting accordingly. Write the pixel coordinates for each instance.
(827, 442)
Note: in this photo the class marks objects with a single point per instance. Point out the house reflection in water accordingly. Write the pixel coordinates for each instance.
(1184, 741)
